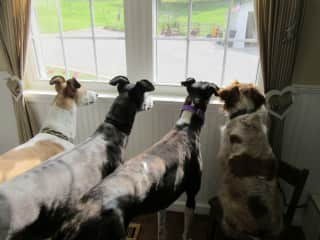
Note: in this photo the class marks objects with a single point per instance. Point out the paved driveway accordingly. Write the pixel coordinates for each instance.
(205, 59)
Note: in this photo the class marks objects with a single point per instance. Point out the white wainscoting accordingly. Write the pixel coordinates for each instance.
(301, 143)
(149, 127)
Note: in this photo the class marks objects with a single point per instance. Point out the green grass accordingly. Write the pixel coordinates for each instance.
(76, 15)
(109, 14)
(205, 16)
(54, 70)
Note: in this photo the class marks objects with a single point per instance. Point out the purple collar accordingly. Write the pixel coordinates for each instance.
(194, 110)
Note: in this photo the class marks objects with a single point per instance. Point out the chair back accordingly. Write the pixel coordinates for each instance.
(297, 179)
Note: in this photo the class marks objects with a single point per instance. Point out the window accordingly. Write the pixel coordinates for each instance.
(82, 38)
(211, 40)
(162, 40)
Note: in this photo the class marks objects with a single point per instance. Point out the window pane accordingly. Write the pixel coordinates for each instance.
(51, 56)
(46, 16)
(111, 56)
(242, 53)
(205, 61)
(242, 23)
(209, 18)
(241, 64)
(80, 60)
(172, 17)
(109, 18)
(171, 57)
(76, 17)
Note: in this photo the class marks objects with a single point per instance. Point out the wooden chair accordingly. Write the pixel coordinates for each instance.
(295, 177)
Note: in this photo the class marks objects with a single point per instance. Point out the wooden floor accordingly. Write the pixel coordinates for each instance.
(198, 229)
(174, 226)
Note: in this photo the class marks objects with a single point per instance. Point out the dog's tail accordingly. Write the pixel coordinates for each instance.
(82, 214)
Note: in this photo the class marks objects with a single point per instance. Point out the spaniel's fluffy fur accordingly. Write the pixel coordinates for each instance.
(248, 194)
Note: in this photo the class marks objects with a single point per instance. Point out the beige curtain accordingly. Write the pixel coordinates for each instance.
(14, 32)
(278, 25)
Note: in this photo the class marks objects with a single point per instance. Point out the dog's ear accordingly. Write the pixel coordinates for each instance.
(213, 89)
(254, 94)
(119, 81)
(188, 82)
(145, 85)
(58, 79)
(235, 82)
(59, 82)
(71, 89)
(230, 95)
(74, 82)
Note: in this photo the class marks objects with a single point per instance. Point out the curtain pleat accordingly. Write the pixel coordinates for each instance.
(278, 25)
(14, 34)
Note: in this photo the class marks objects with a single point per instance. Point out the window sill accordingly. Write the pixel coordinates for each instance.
(40, 89)
(47, 96)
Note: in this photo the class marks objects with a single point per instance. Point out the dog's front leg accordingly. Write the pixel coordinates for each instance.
(162, 233)
(192, 190)
(188, 217)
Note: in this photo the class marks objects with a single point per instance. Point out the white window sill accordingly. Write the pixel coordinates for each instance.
(40, 89)
(47, 96)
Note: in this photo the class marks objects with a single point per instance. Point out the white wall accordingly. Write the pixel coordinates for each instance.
(301, 145)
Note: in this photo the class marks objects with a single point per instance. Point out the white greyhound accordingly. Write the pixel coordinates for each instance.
(56, 134)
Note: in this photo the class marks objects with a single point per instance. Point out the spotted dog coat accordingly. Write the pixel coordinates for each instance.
(248, 194)
(149, 182)
(33, 205)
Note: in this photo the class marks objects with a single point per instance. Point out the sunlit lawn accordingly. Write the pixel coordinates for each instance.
(109, 14)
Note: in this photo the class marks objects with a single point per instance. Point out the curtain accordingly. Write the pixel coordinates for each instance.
(14, 33)
(278, 25)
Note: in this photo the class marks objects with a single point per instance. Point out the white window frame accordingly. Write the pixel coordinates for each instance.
(140, 41)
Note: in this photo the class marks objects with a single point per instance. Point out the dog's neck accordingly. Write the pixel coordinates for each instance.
(240, 112)
(244, 106)
(62, 121)
(122, 114)
(191, 116)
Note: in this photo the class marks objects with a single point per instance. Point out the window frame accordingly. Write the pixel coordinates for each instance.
(140, 26)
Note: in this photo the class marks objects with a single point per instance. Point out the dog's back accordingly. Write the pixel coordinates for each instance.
(24, 157)
(52, 185)
(249, 195)
(132, 189)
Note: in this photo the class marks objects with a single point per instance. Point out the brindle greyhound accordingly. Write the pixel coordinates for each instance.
(149, 182)
(33, 205)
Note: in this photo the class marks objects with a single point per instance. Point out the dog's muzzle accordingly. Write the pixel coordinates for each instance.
(147, 103)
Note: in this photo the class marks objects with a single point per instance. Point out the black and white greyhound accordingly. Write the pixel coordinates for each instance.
(149, 182)
(33, 205)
